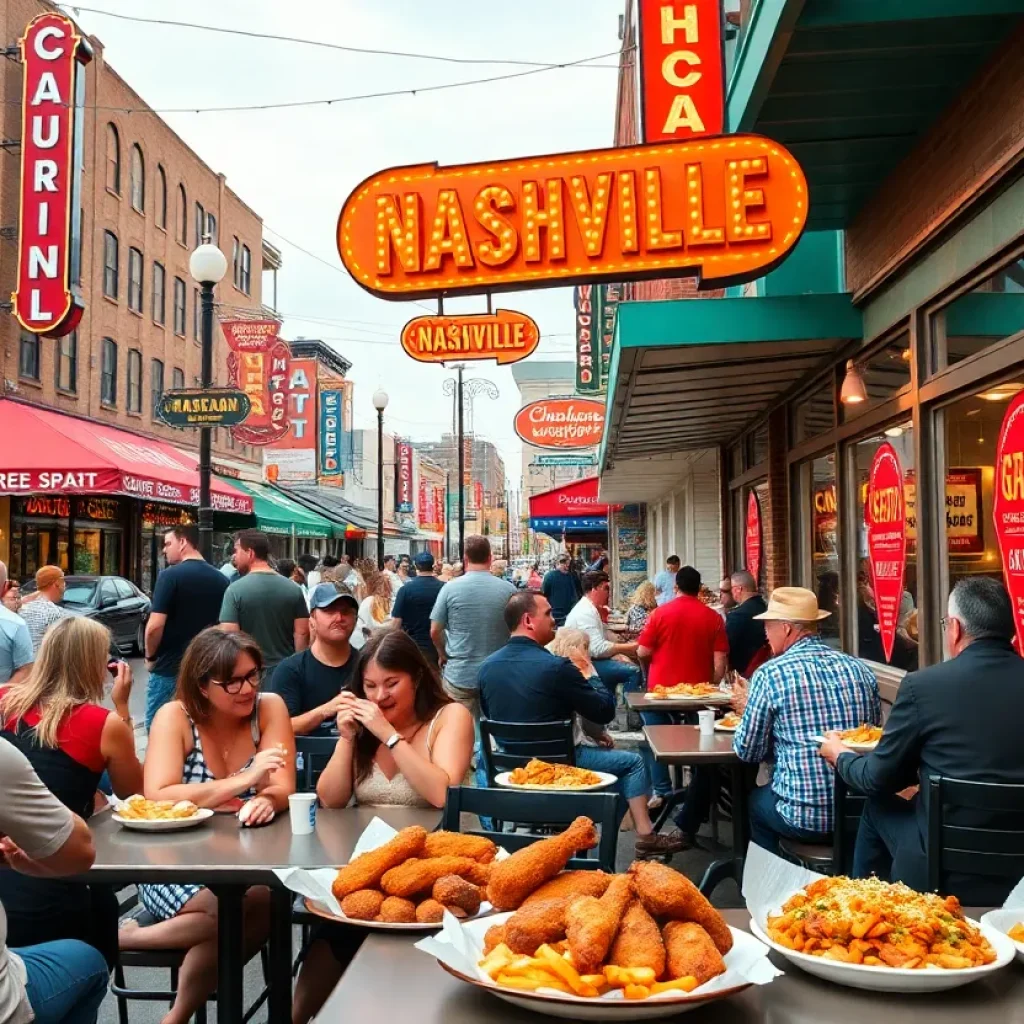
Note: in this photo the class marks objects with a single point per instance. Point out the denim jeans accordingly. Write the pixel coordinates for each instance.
(660, 778)
(629, 767)
(159, 690)
(613, 673)
(66, 982)
(767, 826)
(889, 840)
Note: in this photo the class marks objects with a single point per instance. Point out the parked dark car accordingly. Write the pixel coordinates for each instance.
(112, 600)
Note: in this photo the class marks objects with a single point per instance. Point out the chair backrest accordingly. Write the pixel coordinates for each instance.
(311, 756)
(515, 743)
(995, 851)
(543, 809)
(847, 808)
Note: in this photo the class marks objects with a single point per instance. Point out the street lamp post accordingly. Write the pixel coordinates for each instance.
(207, 265)
(380, 403)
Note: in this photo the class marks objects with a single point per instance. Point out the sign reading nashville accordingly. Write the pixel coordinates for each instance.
(505, 336)
(207, 407)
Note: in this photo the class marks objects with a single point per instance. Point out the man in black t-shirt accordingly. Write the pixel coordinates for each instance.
(415, 601)
(186, 600)
(310, 682)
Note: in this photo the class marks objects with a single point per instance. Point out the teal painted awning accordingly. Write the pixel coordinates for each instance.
(278, 514)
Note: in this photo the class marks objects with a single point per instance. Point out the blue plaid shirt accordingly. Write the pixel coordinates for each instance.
(805, 692)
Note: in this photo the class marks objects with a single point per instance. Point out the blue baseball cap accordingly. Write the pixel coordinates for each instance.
(326, 594)
(424, 560)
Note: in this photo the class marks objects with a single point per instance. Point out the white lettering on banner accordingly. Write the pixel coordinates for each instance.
(41, 51)
(48, 480)
(15, 481)
(583, 499)
(139, 453)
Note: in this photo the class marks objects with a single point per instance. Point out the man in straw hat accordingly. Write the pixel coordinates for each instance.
(807, 689)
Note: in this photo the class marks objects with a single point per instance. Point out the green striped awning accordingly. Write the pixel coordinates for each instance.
(278, 514)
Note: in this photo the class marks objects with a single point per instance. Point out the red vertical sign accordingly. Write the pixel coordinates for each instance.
(403, 477)
(885, 517)
(1008, 509)
(682, 69)
(259, 364)
(753, 537)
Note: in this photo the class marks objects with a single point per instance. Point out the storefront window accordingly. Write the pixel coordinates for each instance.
(758, 442)
(885, 373)
(735, 460)
(867, 641)
(824, 523)
(814, 415)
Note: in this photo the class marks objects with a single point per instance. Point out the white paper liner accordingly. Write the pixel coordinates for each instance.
(1015, 901)
(768, 881)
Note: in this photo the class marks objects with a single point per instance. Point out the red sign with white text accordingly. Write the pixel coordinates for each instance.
(259, 364)
(403, 477)
(885, 516)
(1008, 508)
(682, 69)
(46, 299)
(753, 537)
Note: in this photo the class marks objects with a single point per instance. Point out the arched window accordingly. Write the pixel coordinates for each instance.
(113, 159)
(182, 217)
(161, 197)
(138, 180)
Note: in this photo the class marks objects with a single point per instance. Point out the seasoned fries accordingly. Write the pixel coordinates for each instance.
(729, 721)
(557, 776)
(863, 734)
(683, 690)
(879, 924)
(1017, 932)
(138, 808)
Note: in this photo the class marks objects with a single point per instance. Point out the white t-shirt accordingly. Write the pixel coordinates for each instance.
(585, 616)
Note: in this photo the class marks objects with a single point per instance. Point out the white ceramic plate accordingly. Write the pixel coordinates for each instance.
(719, 727)
(895, 979)
(718, 697)
(322, 910)
(1003, 921)
(607, 779)
(861, 748)
(164, 825)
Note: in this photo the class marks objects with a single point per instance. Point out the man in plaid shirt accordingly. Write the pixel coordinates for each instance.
(807, 689)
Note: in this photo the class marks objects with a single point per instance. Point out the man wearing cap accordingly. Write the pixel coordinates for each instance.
(415, 601)
(310, 682)
(561, 588)
(42, 610)
(807, 689)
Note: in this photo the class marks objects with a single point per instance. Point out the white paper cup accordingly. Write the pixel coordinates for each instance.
(302, 811)
(706, 722)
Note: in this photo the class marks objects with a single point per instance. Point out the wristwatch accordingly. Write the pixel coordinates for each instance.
(392, 741)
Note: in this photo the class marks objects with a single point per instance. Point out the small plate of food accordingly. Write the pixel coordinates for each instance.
(544, 776)
(1011, 923)
(696, 693)
(159, 815)
(883, 937)
(863, 738)
(728, 723)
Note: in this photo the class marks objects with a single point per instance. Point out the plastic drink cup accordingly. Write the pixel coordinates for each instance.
(302, 812)
(706, 722)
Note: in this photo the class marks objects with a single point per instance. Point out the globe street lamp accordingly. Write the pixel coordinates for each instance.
(207, 265)
(380, 403)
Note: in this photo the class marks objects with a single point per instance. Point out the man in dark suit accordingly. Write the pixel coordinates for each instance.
(960, 720)
(746, 634)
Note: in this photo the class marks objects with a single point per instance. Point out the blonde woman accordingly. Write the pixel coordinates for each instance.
(446, 572)
(54, 717)
(374, 610)
(574, 644)
(644, 602)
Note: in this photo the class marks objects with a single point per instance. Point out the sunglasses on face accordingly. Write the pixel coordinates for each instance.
(235, 683)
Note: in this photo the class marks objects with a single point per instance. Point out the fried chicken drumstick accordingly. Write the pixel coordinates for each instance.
(691, 951)
(639, 942)
(591, 924)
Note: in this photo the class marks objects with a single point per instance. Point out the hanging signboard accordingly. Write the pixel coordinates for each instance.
(504, 335)
(727, 211)
(47, 299)
(565, 460)
(682, 69)
(403, 477)
(561, 423)
(203, 407)
(885, 519)
(331, 392)
(587, 377)
(752, 544)
(1008, 511)
(611, 296)
(259, 364)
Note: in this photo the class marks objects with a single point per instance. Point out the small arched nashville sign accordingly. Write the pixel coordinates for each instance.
(203, 407)
(505, 335)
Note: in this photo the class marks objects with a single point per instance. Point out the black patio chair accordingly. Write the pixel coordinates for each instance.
(516, 743)
(311, 756)
(837, 859)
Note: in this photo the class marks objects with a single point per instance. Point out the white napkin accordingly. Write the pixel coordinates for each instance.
(768, 881)
(1015, 901)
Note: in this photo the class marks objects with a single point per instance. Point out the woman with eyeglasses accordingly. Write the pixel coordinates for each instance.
(221, 744)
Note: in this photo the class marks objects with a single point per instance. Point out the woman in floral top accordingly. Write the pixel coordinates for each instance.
(644, 603)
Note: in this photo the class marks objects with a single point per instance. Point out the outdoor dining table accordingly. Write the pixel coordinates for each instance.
(684, 745)
(640, 702)
(228, 859)
(390, 980)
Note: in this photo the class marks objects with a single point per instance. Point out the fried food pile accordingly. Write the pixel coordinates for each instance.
(862, 734)
(415, 877)
(138, 808)
(730, 721)
(683, 690)
(557, 776)
(1017, 932)
(880, 924)
(586, 932)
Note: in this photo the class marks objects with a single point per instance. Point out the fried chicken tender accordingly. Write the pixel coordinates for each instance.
(420, 874)
(513, 879)
(493, 937)
(362, 905)
(531, 926)
(452, 891)
(454, 844)
(397, 911)
(591, 924)
(366, 871)
(571, 883)
(639, 942)
(429, 912)
(690, 950)
(667, 893)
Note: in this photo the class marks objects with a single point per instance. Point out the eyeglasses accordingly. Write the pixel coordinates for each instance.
(235, 683)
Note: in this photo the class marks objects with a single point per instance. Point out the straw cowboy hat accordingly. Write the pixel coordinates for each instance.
(793, 604)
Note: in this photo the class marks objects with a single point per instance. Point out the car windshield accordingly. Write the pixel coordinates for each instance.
(79, 591)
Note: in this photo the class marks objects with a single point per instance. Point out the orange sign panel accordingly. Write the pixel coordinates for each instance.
(561, 423)
(726, 208)
(504, 335)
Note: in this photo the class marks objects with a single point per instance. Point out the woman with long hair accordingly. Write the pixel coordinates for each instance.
(402, 740)
(222, 744)
(54, 717)
(374, 609)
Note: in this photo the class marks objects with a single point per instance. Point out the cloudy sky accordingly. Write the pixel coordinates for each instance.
(295, 167)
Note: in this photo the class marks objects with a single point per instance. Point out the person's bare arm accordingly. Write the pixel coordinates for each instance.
(437, 636)
(447, 766)
(20, 675)
(301, 634)
(305, 723)
(396, 623)
(75, 857)
(275, 735)
(721, 666)
(334, 787)
(154, 634)
(628, 649)
(644, 655)
(117, 745)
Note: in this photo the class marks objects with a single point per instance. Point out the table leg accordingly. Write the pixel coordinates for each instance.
(732, 867)
(279, 1006)
(230, 953)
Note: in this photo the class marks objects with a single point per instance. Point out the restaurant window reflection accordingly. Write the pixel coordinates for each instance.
(824, 522)
(885, 373)
(814, 415)
(867, 640)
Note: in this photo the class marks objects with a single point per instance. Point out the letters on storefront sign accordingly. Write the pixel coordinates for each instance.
(885, 519)
(259, 364)
(504, 336)
(1008, 510)
(561, 423)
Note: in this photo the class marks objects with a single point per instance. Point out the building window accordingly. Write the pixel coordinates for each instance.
(179, 306)
(161, 197)
(236, 262)
(211, 227)
(108, 373)
(159, 308)
(814, 415)
(886, 372)
(182, 217)
(177, 378)
(134, 380)
(246, 275)
(110, 262)
(156, 384)
(200, 223)
(816, 551)
(197, 306)
(28, 359)
(66, 351)
(135, 280)
(113, 159)
(137, 182)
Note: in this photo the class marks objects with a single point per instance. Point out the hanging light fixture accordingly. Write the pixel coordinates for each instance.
(853, 390)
